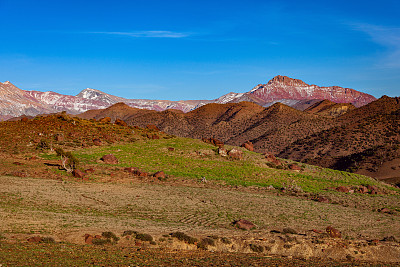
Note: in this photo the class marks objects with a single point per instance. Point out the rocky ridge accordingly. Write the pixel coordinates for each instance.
(292, 92)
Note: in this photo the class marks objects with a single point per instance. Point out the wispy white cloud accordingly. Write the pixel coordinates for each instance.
(388, 37)
(149, 34)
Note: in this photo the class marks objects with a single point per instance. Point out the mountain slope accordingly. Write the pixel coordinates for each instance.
(330, 109)
(364, 140)
(270, 129)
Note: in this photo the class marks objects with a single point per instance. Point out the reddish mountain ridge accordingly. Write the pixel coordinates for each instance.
(282, 88)
(292, 92)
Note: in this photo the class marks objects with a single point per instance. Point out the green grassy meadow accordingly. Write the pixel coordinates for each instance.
(194, 159)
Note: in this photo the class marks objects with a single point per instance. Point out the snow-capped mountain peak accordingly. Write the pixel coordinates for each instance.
(15, 102)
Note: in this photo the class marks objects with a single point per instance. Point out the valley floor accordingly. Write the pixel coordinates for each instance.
(67, 210)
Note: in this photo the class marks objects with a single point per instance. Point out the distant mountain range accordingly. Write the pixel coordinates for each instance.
(15, 102)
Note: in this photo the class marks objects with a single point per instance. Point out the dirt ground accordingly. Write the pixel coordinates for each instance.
(67, 210)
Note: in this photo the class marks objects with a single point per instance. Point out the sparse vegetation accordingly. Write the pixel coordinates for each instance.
(144, 237)
(110, 235)
(256, 248)
(184, 237)
(68, 161)
(248, 188)
(205, 242)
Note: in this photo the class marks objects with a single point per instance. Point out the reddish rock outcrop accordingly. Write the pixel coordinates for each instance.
(248, 145)
(109, 159)
(88, 239)
(120, 122)
(213, 141)
(271, 158)
(294, 167)
(35, 239)
(78, 173)
(235, 154)
(343, 189)
(105, 120)
(332, 232)
(153, 136)
(159, 175)
(322, 199)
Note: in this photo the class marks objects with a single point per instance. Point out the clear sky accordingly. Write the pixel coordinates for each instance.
(198, 49)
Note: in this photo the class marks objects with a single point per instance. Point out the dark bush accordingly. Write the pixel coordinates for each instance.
(205, 242)
(184, 237)
(144, 237)
(110, 235)
(129, 232)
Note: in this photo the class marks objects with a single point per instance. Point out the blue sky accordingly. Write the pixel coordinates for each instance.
(198, 49)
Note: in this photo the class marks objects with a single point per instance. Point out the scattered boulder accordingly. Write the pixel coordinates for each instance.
(322, 199)
(88, 239)
(244, 224)
(97, 142)
(78, 173)
(213, 141)
(105, 120)
(332, 232)
(235, 154)
(17, 163)
(140, 173)
(295, 167)
(373, 190)
(343, 189)
(222, 152)
(153, 136)
(35, 239)
(159, 175)
(109, 159)
(152, 127)
(120, 123)
(271, 158)
(362, 189)
(248, 145)
(171, 149)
